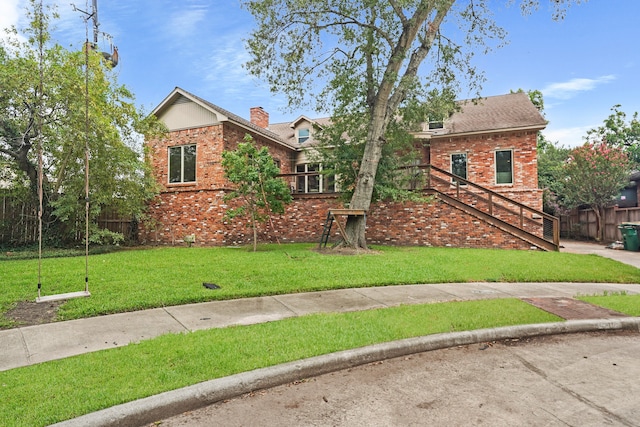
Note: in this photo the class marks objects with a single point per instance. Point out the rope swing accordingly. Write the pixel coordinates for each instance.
(86, 292)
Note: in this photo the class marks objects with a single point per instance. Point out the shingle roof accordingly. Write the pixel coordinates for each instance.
(494, 113)
(511, 111)
(287, 132)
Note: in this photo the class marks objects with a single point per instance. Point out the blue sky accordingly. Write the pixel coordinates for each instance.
(584, 64)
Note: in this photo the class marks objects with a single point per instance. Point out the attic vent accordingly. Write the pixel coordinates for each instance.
(182, 100)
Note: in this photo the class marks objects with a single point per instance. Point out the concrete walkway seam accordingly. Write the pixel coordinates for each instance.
(168, 404)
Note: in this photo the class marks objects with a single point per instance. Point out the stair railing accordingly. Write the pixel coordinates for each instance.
(491, 202)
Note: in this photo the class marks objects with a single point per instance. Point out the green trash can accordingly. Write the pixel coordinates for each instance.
(630, 236)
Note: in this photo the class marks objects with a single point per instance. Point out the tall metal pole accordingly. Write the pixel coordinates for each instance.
(39, 110)
(96, 24)
(86, 144)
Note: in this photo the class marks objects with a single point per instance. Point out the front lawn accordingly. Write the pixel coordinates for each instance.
(622, 303)
(138, 279)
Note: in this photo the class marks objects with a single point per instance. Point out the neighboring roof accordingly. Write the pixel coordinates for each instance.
(494, 113)
(223, 115)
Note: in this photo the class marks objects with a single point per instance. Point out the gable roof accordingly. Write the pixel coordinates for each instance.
(219, 114)
(513, 111)
(287, 130)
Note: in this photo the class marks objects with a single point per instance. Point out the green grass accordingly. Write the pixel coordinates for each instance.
(622, 303)
(138, 279)
(58, 390)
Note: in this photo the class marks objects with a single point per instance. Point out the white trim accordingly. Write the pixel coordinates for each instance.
(195, 172)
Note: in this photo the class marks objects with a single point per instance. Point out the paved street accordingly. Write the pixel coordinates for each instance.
(575, 380)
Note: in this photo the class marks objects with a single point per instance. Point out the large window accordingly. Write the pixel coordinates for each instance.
(313, 181)
(504, 167)
(459, 165)
(182, 164)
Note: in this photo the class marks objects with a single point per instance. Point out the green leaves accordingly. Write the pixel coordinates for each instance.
(258, 191)
(595, 174)
(43, 100)
(618, 131)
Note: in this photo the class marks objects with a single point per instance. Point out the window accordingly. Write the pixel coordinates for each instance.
(504, 167)
(459, 165)
(182, 164)
(436, 122)
(303, 135)
(312, 182)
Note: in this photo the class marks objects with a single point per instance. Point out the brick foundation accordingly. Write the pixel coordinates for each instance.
(435, 223)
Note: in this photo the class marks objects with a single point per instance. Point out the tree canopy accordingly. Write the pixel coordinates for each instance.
(43, 104)
(594, 176)
(374, 64)
(551, 174)
(616, 130)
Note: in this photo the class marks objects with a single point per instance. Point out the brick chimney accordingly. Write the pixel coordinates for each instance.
(259, 117)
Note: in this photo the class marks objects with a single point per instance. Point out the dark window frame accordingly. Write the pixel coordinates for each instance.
(455, 166)
(504, 167)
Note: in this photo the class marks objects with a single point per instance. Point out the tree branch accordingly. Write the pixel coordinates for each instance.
(398, 10)
(417, 57)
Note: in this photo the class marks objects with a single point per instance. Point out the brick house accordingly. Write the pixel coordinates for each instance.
(480, 165)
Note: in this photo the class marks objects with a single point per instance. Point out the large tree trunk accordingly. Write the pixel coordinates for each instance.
(363, 192)
(383, 103)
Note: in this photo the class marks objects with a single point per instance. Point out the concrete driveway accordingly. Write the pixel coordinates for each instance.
(580, 247)
(579, 380)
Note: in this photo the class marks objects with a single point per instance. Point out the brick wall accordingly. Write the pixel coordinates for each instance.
(481, 150)
(198, 208)
(183, 213)
(210, 142)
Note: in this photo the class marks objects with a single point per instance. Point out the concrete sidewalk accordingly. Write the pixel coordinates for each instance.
(35, 344)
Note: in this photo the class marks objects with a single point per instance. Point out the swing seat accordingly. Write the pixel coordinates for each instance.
(61, 297)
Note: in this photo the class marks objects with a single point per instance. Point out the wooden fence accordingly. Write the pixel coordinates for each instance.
(19, 223)
(582, 223)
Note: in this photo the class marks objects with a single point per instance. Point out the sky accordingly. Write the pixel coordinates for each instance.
(584, 64)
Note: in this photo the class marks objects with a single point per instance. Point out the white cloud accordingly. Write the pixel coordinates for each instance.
(569, 89)
(185, 22)
(568, 137)
(11, 12)
(224, 66)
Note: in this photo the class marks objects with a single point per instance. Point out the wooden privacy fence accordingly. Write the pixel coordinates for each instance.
(19, 223)
(582, 223)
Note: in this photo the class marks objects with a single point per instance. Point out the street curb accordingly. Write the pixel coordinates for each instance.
(168, 404)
